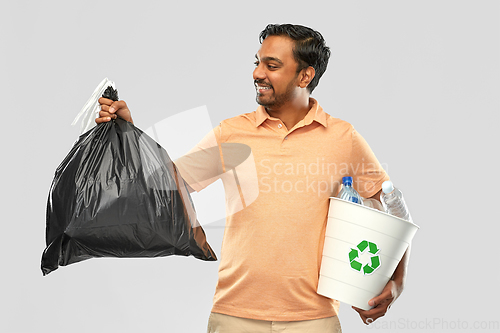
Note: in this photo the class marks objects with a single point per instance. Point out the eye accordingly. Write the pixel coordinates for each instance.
(256, 63)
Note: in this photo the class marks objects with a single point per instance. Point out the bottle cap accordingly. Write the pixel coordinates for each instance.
(387, 186)
(347, 180)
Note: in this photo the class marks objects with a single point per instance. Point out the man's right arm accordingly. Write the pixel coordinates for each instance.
(112, 109)
(199, 167)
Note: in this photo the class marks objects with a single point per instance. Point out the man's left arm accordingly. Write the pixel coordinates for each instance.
(391, 291)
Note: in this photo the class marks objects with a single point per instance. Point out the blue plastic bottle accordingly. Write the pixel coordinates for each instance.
(348, 193)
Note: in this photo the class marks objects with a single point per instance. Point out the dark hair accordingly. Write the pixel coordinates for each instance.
(310, 48)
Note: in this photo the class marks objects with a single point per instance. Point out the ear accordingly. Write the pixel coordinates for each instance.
(306, 76)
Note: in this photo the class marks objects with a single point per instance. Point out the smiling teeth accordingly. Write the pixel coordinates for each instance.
(259, 87)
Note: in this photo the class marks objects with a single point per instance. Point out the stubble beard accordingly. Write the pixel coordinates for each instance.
(276, 101)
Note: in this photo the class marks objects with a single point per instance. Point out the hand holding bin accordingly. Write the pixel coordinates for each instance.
(362, 249)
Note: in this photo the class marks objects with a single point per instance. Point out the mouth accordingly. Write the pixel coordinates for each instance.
(262, 88)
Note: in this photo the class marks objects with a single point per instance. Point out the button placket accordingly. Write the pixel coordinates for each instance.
(285, 137)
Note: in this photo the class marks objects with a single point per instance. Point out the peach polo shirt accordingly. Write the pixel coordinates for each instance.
(277, 205)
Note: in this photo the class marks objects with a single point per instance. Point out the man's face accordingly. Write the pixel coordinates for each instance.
(275, 74)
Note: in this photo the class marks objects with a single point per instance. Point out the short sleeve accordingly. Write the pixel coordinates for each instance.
(368, 173)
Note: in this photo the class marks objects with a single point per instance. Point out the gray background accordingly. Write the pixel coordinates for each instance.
(418, 79)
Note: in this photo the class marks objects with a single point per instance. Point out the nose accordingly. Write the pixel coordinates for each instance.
(258, 73)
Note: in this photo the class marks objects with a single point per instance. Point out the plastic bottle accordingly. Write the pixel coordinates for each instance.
(348, 193)
(393, 201)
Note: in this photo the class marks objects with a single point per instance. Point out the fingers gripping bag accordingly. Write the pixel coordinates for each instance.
(118, 194)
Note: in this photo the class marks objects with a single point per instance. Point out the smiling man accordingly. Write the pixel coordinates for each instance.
(281, 81)
(272, 246)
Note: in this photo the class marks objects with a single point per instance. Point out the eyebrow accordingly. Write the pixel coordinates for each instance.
(270, 59)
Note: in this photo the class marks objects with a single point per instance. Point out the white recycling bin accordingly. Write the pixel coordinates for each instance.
(363, 247)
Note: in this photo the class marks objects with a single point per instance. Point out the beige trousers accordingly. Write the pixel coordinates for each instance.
(221, 323)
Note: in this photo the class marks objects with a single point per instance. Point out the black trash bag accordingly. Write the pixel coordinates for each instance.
(118, 194)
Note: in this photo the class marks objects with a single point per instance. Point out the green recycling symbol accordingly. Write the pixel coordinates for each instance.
(373, 250)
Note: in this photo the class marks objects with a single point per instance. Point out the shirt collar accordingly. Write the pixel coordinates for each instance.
(316, 113)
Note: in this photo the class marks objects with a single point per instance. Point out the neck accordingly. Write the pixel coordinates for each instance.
(291, 113)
